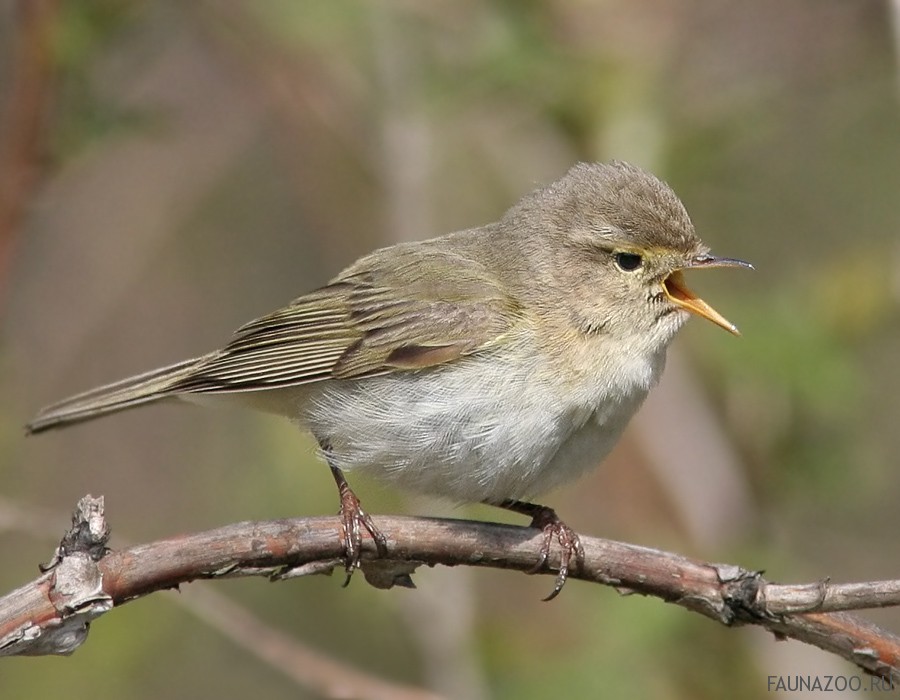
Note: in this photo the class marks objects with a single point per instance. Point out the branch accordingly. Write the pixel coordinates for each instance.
(84, 580)
(309, 669)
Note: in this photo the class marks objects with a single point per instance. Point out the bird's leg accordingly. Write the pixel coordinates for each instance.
(353, 519)
(546, 520)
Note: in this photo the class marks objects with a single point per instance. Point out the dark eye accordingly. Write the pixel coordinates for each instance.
(629, 262)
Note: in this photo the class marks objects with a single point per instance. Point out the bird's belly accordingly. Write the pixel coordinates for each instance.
(450, 432)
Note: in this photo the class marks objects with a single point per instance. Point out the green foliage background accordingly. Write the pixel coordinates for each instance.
(205, 162)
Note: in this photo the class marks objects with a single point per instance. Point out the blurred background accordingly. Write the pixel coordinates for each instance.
(171, 170)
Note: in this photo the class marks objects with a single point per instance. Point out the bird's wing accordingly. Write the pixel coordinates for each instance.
(411, 309)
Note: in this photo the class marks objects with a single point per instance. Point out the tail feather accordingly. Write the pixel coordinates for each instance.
(118, 396)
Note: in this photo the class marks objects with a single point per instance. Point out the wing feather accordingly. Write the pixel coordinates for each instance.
(377, 317)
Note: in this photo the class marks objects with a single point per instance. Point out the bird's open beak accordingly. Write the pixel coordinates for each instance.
(678, 292)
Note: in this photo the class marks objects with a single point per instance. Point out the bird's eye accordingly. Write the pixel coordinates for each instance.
(629, 262)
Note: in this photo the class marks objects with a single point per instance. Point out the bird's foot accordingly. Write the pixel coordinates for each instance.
(546, 520)
(353, 520)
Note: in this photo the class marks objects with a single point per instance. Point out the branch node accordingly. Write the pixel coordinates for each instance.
(740, 594)
(89, 533)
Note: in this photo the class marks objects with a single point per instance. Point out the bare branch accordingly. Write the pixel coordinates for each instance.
(310, 669)
(830, 597)
(49, 615)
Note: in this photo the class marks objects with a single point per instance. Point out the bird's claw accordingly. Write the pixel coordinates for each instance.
(546, 520)
(353, 520)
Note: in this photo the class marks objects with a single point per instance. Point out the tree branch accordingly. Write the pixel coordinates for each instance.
(84, 580)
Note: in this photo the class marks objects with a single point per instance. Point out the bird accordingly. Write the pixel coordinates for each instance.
(487, 365)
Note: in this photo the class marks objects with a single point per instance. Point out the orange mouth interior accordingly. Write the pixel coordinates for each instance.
(677, 291)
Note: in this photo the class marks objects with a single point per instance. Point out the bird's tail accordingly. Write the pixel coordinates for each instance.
(126, 393)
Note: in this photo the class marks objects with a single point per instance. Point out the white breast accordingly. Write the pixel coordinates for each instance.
(470, 433)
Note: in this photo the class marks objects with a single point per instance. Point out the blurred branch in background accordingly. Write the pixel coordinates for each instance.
(23, 124)
(307, 668)
(895, 23)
